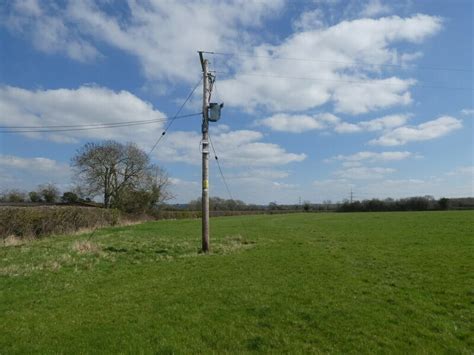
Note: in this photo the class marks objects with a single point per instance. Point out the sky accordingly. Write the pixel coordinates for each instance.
(321, 97)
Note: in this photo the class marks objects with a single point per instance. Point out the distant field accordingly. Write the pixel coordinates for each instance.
(360, 282)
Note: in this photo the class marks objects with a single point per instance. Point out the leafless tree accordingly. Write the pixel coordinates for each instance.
(114, 170)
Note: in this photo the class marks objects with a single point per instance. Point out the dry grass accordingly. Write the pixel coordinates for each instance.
(86, 247)
(231, 244)
(12, 241)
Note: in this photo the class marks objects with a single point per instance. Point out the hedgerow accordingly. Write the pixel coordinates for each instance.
(35, 222)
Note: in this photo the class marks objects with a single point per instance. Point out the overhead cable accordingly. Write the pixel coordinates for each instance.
(175, 117)
(364, 82)
(220, 169)
(362, 63)
(59, 128)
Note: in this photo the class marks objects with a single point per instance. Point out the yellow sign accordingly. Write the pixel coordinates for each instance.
(205, 184)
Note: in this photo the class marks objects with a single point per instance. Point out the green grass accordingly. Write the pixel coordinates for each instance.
(367, 282)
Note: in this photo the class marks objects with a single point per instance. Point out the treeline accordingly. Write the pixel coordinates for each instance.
(420, 203)
(417, 203)
(45, 193)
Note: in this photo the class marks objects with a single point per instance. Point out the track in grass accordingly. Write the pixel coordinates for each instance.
(397, 282)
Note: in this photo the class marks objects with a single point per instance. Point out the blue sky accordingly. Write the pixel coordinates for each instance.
(321, 96)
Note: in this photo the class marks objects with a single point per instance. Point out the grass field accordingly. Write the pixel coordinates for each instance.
(368, 282)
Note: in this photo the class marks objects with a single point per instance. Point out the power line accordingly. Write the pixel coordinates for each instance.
(220, 169)
(435, 68)
(175, 117)
(87, 127)
(366, 82)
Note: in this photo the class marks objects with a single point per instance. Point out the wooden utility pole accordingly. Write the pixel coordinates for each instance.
(205, 153)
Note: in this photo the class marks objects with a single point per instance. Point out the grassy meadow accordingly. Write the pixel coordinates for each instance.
(316, 282)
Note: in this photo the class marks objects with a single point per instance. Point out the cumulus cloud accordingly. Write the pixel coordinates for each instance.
(36, 165)
(26, 172)
(89, 105)
(385, 122)
(48, 31)
(375, 8)
(284, 122)
(422, 132)
(377, 124)
(298, 123)
(83, 106)
(363, 173)
(235, 148)
(157, 33)
(309, 20)
(375, 94)
(341, 58)
(467, 112)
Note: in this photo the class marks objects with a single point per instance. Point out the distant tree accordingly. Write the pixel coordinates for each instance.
(13, 196)
(34, 196)
(69, 197)
(272, 206)
(116, 171)
(195, 205)
(443, 203)
(306, 206)
(49, 193)
(220, 204)
(327, 204)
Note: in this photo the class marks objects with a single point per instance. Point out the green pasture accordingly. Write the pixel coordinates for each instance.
(298, 283)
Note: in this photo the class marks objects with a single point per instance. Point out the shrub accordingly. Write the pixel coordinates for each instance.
(36, 222)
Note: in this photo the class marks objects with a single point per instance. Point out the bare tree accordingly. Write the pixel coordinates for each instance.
(110, 168)
(158, 184)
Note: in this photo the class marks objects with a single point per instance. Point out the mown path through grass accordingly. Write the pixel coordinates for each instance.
(392, 282)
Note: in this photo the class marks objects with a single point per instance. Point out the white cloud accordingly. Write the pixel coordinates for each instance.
(375, 8)
(374, 156)
(284, 186)
(376, 94)
(284, 122)
(83, 106)
(34, 165)
(422, 132)
(159, 33)
(346, 127)
(377, 124)
(88, 105)
(20, 172)
(309, 20)
(234, 148)
(48, 32)
(363, 173)
(28, 7)
(341, 62)
(298, 123)
(385, 122)
(156, 32)
(467, 112)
